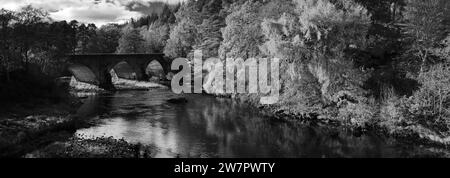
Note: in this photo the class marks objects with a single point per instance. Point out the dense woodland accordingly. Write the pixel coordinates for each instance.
(382, 63)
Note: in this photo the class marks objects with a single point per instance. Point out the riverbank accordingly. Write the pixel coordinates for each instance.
(48, 131)
(46, 124)
(102, 147)
(119, 84)
(408, 134)
(25, 126)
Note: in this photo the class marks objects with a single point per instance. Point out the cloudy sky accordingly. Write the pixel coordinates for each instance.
(99, 12)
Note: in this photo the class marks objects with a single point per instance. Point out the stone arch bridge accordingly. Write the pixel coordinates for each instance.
(95, 68)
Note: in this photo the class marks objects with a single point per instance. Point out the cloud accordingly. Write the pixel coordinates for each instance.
(99, 12)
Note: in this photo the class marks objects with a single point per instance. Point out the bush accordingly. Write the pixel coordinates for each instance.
(430, 105)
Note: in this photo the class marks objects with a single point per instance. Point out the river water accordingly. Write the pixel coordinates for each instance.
(206, 126)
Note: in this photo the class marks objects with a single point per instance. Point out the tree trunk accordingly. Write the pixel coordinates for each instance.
(26, 61)
(440, 103)
(394, 13)
(424, 57)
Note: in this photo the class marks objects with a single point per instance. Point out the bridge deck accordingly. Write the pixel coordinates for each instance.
(113, 54)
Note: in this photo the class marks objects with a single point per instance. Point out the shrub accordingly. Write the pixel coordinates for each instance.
(430, 105)
(358, 114)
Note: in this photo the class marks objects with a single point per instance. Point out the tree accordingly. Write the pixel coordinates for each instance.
(61, 38)
(29, 36)
(242, 34)
(167, 16)
(86, 39)
(181, 41)
(6, 47)
(384, 30)
(131, 41)
(427, 25)
(274, 9)
(146, 20)
(108, 38)
(184, 36)
(28, 31)
(312, 41)
(155, 37)
(210, 29)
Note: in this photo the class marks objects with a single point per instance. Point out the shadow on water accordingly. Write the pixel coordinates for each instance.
(214, 127)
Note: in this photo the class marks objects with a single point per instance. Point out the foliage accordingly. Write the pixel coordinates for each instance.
(29, 37)
(431, 103)
(86, 37)
(131, 41)
(6, 50)
(108, 38)
(29, 32)
(427, 24)
(181, 40)
(166, 16)
(312, 40)
(242, 34)
(425, 112)
(384, 29)
(155, 37)
(185, 33)
(210, 29)
(332, 28)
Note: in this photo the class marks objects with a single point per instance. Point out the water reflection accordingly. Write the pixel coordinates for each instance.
(211, 127)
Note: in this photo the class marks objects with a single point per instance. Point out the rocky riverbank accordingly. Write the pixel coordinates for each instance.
(47, 131)
(46, 126)
(102, 147)
(120, 84)
(26, 126)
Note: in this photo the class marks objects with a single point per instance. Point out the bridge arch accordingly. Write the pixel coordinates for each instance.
(124, 70)
(155, 71)
(83, 73)
(100, 66)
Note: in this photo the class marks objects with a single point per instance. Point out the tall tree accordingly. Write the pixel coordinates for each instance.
(131, 41)
(427, 25)
(108, 38)
(86, 38)
(61, 38)
(155, 37)
(242, 35)
(384, 30)
(167, 15)
(210, 29)
(185, 33)
(28, 31)
(6, 47)
(311, 41)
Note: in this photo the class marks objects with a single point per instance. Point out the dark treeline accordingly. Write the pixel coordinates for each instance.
(363, 62)
(33, 46)
(31, 49)
(31, 36)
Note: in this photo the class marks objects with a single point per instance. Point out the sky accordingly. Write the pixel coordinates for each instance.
(99, 12)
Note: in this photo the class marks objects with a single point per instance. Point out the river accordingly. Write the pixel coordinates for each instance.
(206, 127)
